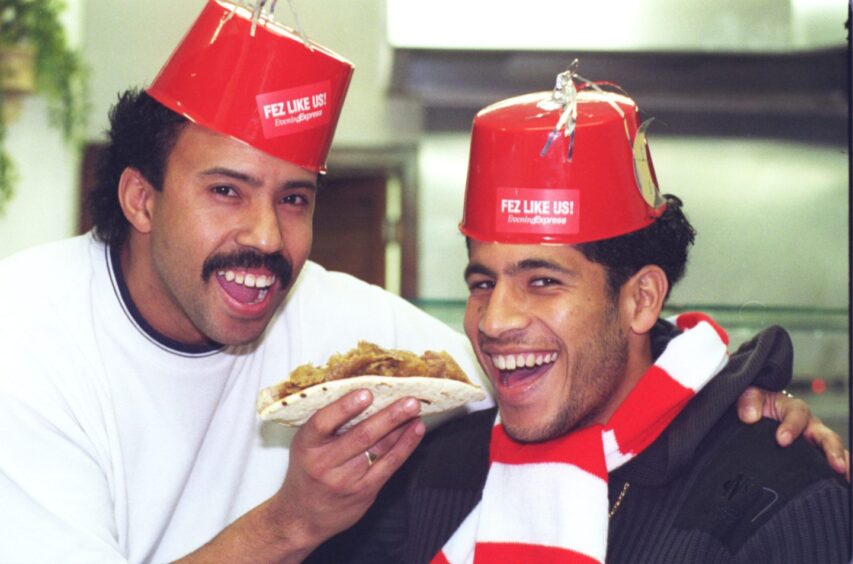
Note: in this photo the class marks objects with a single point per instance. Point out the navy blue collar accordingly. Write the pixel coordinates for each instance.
(164, 342)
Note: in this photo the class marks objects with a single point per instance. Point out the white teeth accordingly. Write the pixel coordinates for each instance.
(249, 280)
(516, 361)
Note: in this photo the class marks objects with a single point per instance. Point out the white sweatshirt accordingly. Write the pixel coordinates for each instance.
(115, 447)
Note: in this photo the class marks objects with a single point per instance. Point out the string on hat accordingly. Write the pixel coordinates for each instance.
(565, 94)
(299, 29)
(257, 11)
(256, 14)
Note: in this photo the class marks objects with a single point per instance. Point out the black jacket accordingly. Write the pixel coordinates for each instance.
(709, 489)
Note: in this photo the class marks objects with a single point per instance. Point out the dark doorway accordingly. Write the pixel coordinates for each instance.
(348, 227)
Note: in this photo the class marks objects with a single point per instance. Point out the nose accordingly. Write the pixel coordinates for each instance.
(503, 311)
(260, 229)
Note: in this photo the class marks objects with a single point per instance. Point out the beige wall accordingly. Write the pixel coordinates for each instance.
(772, 216)
(127, 42)
(772, 219)
(44, 207)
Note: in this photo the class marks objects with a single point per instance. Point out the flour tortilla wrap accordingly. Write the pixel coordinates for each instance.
(435, 394)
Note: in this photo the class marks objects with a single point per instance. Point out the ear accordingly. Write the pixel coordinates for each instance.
(642, 298)
(136, 197)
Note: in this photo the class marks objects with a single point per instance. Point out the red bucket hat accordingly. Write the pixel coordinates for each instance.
(563, 167)
(257, 81)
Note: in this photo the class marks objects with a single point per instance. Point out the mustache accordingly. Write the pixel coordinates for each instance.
(274, 262)
(510, 338)
(513, 338)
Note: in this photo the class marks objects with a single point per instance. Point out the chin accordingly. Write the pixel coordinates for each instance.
(236, 336)
(235, 342)
(539, 429)
(532, 433)
(240, 339)
(527, 435)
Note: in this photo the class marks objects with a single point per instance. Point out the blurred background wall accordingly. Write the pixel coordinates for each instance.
(750, 97)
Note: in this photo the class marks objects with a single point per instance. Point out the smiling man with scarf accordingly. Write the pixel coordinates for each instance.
(603, 447)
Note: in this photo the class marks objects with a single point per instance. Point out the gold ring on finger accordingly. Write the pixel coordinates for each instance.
(371, 458)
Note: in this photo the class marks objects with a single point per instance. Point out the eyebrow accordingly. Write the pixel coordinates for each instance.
(521, 266)
(477, 268)
(254, 181)
(539, 264)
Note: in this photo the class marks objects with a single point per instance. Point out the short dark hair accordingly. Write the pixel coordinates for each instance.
(142, 134)
(665, 243)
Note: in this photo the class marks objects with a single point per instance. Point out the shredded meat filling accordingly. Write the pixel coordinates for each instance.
(368, 359)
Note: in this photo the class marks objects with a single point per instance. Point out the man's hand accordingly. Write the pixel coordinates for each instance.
(331, 481)
(797, 419)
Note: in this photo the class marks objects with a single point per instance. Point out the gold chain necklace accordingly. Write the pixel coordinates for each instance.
(619, 499)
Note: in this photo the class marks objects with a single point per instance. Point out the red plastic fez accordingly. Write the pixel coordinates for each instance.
(587, 184)
(269, 89)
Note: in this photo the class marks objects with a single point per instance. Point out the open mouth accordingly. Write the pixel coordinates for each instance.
(245, 287)
(518, 369)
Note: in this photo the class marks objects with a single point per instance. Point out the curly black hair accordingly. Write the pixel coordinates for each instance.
(665, 243)
(142, 134)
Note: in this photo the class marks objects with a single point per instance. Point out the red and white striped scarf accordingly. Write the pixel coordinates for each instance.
(548, 502)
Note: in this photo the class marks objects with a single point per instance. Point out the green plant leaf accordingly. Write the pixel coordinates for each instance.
(61, 75)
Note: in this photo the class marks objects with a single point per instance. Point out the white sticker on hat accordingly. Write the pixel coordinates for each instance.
(537, 210)
(296, 109)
